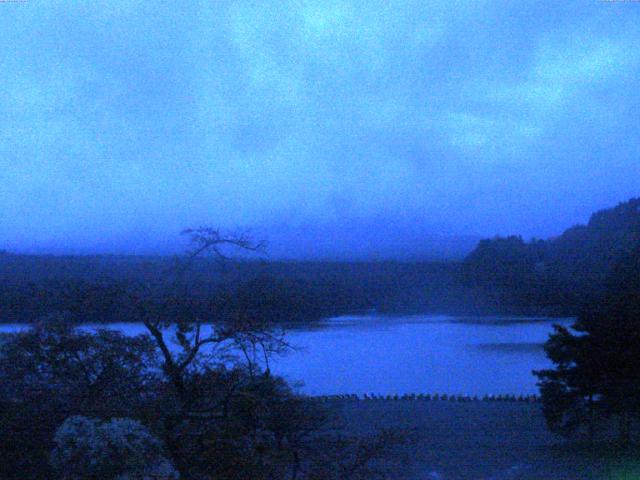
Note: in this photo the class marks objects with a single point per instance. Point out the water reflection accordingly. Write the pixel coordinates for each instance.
(409, 354)
(413, 354)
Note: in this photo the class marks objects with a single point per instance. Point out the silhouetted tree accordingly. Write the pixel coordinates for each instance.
(501, 261)
(597, 373)
(54, 370)
(198, 381)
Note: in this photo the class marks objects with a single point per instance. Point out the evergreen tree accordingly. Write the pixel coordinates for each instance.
(597, 373)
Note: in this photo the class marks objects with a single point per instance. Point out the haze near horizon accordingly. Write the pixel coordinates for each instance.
(335, 129)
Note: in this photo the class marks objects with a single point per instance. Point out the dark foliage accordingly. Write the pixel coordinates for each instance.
(597, 373)
(96, 289)
(561, 275)
(53, 371)
(558, 276)
(219, 423)
(198, 380)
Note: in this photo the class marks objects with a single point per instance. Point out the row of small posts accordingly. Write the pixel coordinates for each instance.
(432, 397)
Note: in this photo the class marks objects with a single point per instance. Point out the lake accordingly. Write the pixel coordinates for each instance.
(411, 354)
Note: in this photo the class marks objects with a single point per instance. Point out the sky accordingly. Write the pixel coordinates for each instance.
(332, 128)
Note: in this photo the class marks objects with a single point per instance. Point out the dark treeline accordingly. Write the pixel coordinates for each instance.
(94, 288)
(503, 275)
(560, 275)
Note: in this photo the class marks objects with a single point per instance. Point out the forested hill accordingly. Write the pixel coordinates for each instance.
(501, 276)
(558, 273)
(94, 288)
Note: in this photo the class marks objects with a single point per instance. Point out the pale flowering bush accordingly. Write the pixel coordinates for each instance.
(118, 449)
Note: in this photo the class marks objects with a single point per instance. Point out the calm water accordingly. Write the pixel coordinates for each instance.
(430, 354)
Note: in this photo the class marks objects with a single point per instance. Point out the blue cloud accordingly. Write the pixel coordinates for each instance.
(121, 122)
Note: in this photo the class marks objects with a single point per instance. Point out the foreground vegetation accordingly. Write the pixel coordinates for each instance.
(192, 399)
(596, 376)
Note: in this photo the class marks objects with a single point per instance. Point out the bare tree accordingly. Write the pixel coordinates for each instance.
(238, 422)
(205, 334)
(194, 324)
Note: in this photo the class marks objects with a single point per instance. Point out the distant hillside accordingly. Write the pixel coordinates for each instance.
(585, 256)
(500, 276)
(560, 272)
(93, 288)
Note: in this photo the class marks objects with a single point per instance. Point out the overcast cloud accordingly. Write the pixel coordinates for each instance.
(123, 122)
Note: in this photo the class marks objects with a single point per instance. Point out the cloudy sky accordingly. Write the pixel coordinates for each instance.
(123, 122)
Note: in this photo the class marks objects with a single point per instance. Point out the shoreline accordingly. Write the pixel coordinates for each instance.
(426, 397)
(481, 440)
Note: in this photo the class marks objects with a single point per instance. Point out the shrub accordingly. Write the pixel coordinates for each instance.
(119, 449)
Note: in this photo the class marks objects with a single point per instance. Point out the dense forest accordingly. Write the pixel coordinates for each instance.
(97, 286)
(561, 274)
(502, 275)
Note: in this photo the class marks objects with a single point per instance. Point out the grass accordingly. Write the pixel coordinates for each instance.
(487, 441)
